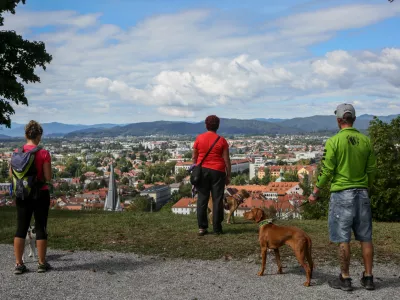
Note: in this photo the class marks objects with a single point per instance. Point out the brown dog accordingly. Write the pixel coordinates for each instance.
(272, 236)
(231, 203)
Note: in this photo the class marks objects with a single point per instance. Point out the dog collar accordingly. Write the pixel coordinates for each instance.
(264, 222)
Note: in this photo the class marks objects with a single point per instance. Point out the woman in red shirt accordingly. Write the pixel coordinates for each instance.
(39, 207)
(216, 173)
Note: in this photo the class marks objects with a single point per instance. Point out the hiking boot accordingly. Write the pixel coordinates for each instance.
(341, 283)
(202, 232)
(19, 269)
(42, 268)
(368, 282)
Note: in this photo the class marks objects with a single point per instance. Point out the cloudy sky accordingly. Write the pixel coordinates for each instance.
(126, 61)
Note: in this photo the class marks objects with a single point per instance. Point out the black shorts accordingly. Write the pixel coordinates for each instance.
(39, 208)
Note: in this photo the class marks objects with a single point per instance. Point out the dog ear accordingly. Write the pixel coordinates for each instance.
(259, 215)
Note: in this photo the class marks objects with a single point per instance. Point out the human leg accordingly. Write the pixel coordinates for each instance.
(363, 233)
(344, 258)
(363, 228)
(41, 212)
(203, 190)
(24, 215)
(341, 212)
(217, 193)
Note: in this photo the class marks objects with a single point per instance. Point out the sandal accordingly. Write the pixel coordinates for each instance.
(202, 232)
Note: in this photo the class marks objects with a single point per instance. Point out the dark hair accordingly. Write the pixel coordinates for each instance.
(32, 130)
(212, 123)
(347, 119)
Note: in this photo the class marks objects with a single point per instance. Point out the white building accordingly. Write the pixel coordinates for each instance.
(175, 187)
(182, 165)
(307, 155)
(240, 165)
(253, 169)
(185, 206)
(160, 194)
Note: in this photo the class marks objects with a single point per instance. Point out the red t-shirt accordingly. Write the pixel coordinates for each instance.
(41, 157)
(214, 159)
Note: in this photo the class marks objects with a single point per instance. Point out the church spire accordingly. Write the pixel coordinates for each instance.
(281, 178)
(112, 199)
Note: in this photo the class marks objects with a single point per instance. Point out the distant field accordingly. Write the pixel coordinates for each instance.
(175, 236)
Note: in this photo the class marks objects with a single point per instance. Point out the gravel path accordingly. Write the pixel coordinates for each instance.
(108, 275)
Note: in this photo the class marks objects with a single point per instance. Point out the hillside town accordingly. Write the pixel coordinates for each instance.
(153, 171)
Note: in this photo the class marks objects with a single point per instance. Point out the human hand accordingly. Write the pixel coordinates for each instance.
(313, 198)
(227, 180)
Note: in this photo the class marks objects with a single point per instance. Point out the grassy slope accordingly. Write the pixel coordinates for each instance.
(175, 236)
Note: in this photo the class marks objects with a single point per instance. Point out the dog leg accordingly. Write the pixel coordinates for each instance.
(264, 260)
(30, 249)
(228, 221)
(300, 255)
(33, 249)
(278, 261)
(309, 257)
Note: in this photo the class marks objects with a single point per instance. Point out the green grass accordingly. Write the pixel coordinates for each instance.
(175, 236)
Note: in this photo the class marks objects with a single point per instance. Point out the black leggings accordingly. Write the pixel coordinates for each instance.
(40, 210)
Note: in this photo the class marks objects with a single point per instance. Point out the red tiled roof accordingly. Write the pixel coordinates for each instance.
(184, 202)
(239, 161)
(184, 163)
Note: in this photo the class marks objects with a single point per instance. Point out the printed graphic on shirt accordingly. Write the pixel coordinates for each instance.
(353, 140)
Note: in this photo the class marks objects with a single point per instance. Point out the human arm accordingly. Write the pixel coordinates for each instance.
(227, 159)
(195, 155)
(47, 170)
(371, 167)
(327, 170)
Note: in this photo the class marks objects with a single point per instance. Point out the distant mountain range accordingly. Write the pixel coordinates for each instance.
(50, 129)
(328, 123)
(258, 126)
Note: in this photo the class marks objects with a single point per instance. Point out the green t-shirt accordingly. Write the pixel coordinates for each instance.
(348, 160)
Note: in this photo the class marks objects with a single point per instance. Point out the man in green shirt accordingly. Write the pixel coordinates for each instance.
(350, 163)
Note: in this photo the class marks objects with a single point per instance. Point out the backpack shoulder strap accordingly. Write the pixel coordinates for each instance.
(36, 149)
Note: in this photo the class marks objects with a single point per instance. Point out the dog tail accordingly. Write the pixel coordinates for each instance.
(308, 254)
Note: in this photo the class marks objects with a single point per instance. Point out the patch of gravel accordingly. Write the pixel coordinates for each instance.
(109, 275)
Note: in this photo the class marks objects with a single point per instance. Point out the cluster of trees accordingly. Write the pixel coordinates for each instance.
(290, 176)
(185, 190)
(123, 164)
(385, 192)
(4, 171)
(19, 59)
(141, 204)
(159, 172)
(76, 168)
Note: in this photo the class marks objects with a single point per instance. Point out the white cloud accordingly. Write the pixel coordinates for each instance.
(176, 112)
(23, 21)
(210, 82)
(192, 61)
(336, 18)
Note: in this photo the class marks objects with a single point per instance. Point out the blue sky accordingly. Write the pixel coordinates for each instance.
(128, 61)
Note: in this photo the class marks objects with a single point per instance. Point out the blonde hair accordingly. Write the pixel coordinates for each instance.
(33, 129)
